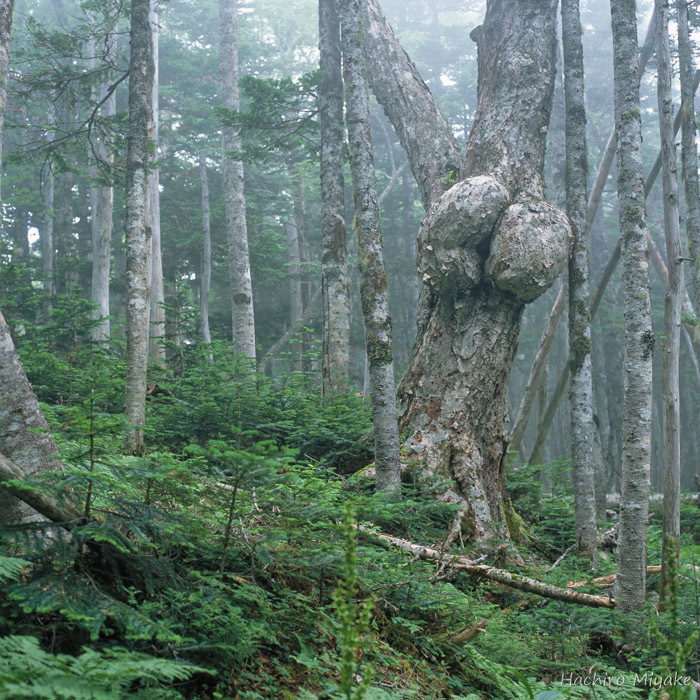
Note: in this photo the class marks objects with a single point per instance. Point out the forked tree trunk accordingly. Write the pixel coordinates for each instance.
(673, 302)
(157, 313)
(137, 292)
(243, 316)
(24, 433)
(630, 584)
(205, 283)
(581, 382)
(488, 245)
(335, 291)
(689, 151)
(373, 284)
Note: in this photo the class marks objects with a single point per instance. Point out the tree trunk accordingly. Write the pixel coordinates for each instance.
(137, 292)
(205, 284)
(236, 232)
(630, 585)
(581, 373)
(67, 245)
(102, 203)
(296, 306)
(673, 301)
(24, 433)
(6, 7)
(336, 302)
(47, 247)
(488, 245)
(157, 321)
(373, 285)
(689, 151)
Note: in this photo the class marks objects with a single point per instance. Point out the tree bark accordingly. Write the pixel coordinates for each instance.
(157, 313)
(137, 292)
(489, 245)
(672, 305)
(581, 373)
(67, 245)
(236, 232)
(296, 306)
(335, 290)
(102, 203)
(689, 151)
(47, 247)
(205, 283)
(24, 433)
(6, 7)
(373, 285)
(630, 584)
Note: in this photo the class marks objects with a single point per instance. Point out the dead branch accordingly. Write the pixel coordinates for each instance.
(607, 580)
(506, 578)
(470, 633)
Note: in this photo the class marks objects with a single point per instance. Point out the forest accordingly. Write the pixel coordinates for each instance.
(349, 349)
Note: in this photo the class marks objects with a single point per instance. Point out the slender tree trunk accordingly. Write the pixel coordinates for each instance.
(102, 204)
(689, 151)
(296, 306)
(157, 322)
(581, 382)
(630, 584)
(47, 247)
(375, 304)
(67, 245)
(24, 433)
(236, 231)
(205, 285)
(6, 7)
(673, 301)
(137, 292)
(335, 292)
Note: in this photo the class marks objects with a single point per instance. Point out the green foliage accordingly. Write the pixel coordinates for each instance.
(27, 671)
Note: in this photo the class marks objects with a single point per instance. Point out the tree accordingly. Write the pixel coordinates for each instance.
(375, 304)
(581, 383)
(630, 584)
(236, 228)
(489, 244)
(335, 293)
(137, 291)
(672, 305)
(205, 277)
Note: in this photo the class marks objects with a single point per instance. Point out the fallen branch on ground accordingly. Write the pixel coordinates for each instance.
(506, 578)
(65, 513)
(606, 580)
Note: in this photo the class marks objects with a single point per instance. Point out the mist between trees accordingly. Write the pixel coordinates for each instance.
(437, 260)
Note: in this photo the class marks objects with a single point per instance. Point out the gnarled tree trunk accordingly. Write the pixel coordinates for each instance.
(489, 245)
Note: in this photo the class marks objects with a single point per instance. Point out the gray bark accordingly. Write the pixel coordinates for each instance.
(47, 247)
(373, 285)
(630, 584)
(236, 232)
(24, 433)
(296, 306)
(157, 322)
(336, 302)
(137, 292)
(488, 246)
(205, 283)
(63, 227)
(6, 7)
(102, 202)
(689, 151)
(673, 301)
(581, 372)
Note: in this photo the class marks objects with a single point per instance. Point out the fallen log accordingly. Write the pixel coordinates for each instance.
(506, 578)
(609, 579)
(65, 514)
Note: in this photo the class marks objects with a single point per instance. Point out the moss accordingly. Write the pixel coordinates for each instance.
(379, 352)
(514, 523)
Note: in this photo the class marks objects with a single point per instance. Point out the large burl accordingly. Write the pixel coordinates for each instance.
(475, 233)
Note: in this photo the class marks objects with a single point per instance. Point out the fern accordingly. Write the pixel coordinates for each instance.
(27, 671)
(11, 568)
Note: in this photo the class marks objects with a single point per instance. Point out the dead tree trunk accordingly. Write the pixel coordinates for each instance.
(489, 244)
(630, 585)
(137, 292)
(373, 285)
(335, 291)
